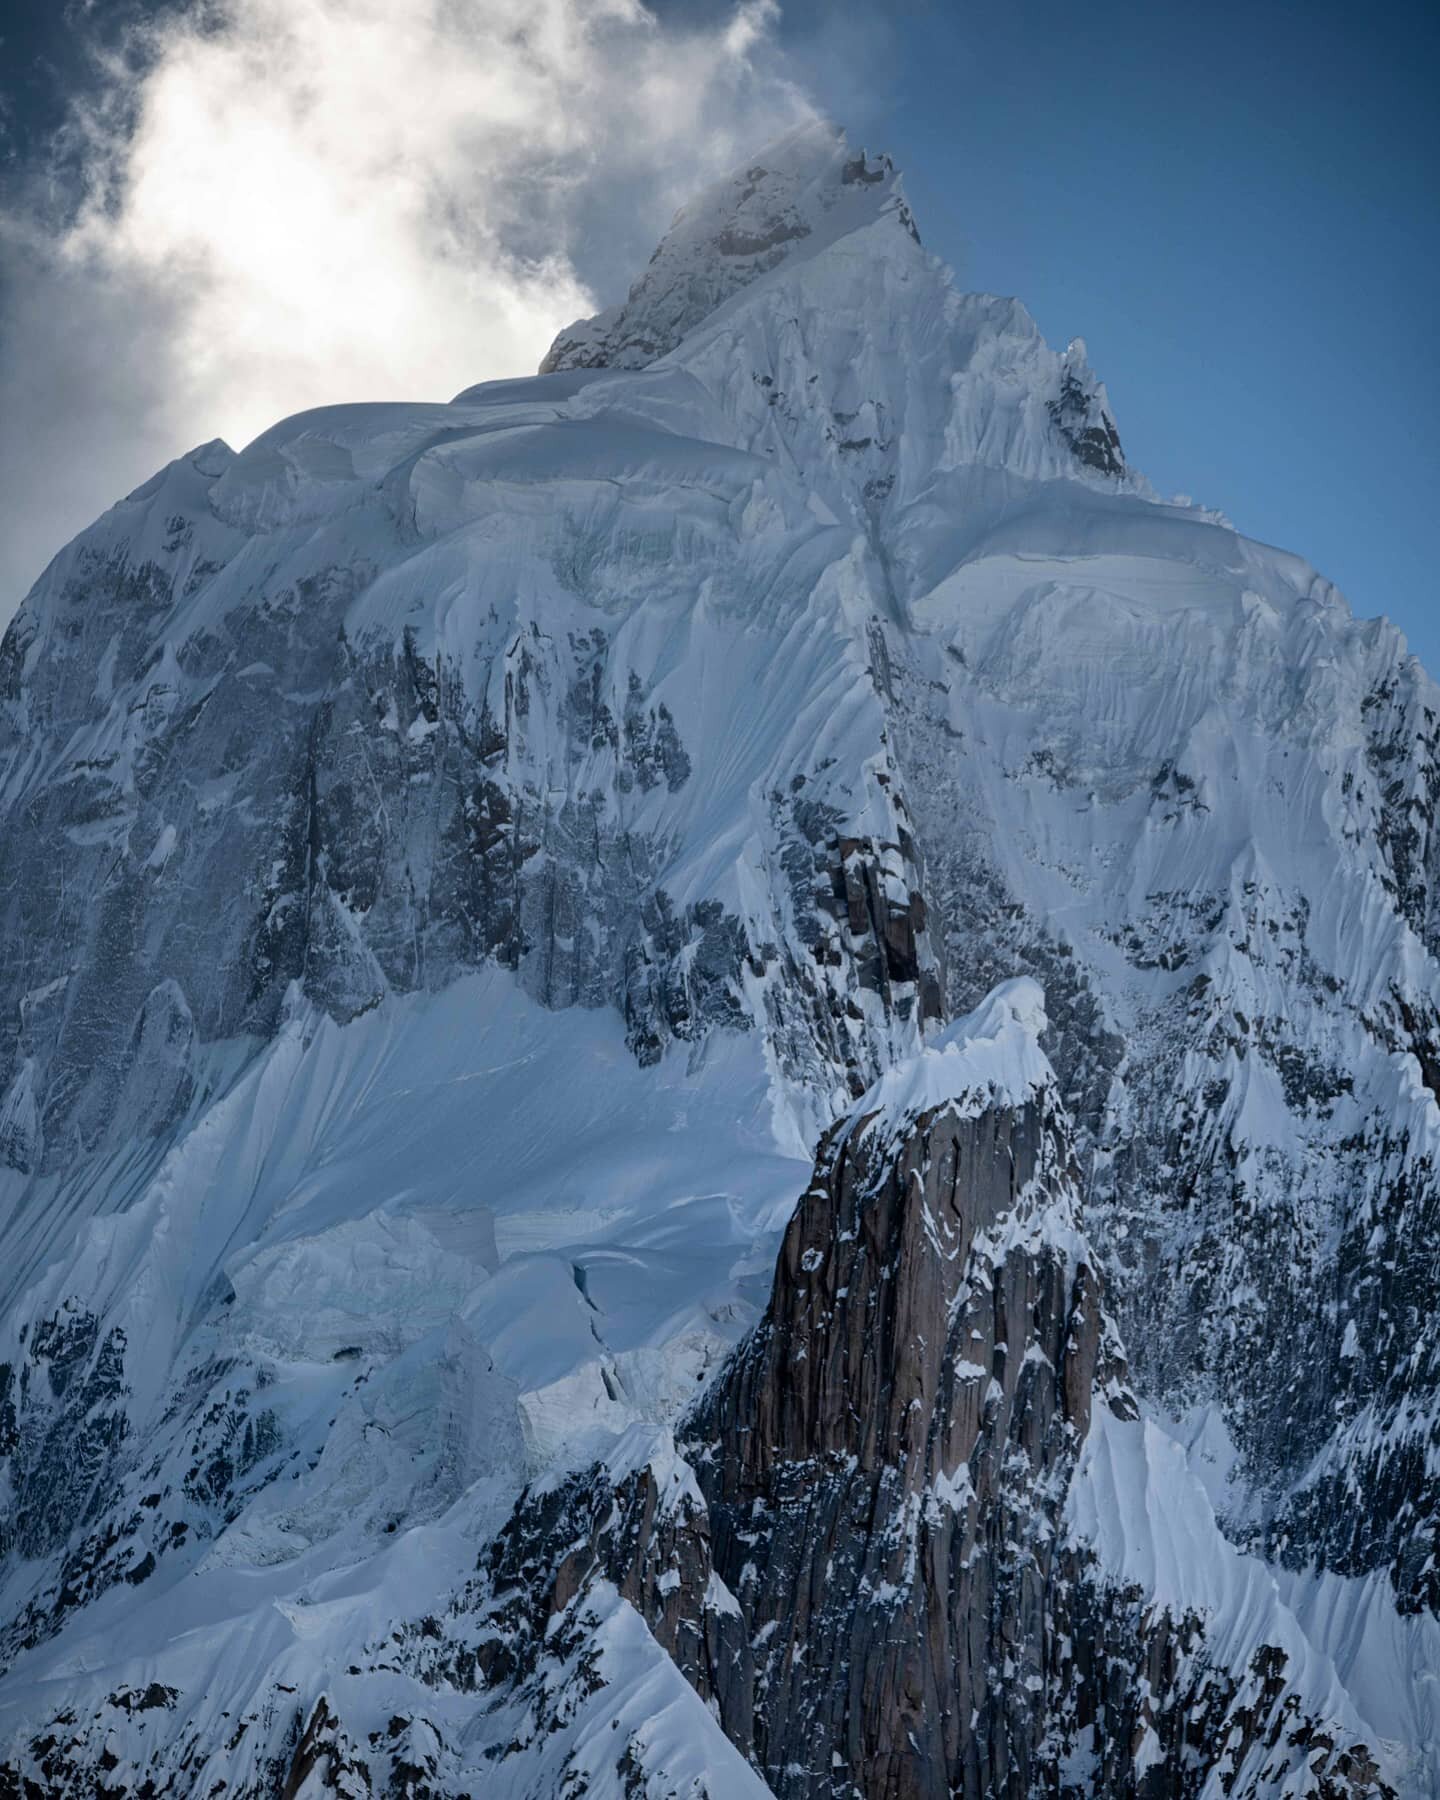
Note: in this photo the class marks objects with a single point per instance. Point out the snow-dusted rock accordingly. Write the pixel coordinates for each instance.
(916, 1540)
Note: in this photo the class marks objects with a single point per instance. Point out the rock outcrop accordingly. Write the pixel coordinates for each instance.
(865, 1563)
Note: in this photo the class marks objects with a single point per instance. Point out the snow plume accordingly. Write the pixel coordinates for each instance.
(289, 202)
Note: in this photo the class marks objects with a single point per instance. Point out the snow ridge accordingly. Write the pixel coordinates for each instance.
(990, 1058)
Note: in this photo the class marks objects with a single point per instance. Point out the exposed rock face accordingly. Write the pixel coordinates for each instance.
(869, 1563)
(885, 1463)
(871, 1576)
(1082, 417)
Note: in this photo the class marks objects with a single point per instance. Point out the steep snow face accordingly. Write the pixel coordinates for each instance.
(653, 754)
(1208, 794)
(396, 1270)
(1137, 1506)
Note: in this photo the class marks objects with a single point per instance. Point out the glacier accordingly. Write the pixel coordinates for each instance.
(467, 874)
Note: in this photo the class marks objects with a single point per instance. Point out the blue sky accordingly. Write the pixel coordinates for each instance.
(1235, 206)
(1238, 208)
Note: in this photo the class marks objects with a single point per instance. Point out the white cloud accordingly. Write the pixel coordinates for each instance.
(315, 200)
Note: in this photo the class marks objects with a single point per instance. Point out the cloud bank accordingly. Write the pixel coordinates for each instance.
(288, 202)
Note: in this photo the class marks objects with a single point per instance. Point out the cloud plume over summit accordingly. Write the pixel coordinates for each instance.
(282, 203)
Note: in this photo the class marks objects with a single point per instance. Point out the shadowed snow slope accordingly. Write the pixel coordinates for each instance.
(459, 859)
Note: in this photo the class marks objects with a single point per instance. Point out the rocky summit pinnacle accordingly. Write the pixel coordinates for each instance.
(798, 195)
(717, 1077)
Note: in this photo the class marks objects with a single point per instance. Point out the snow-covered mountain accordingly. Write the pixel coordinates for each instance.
(719, 1074)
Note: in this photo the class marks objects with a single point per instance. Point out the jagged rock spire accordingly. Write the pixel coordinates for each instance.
(865, 1567)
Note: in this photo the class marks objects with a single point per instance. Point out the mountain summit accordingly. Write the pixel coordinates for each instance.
(801, 194)
(719, 1074)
